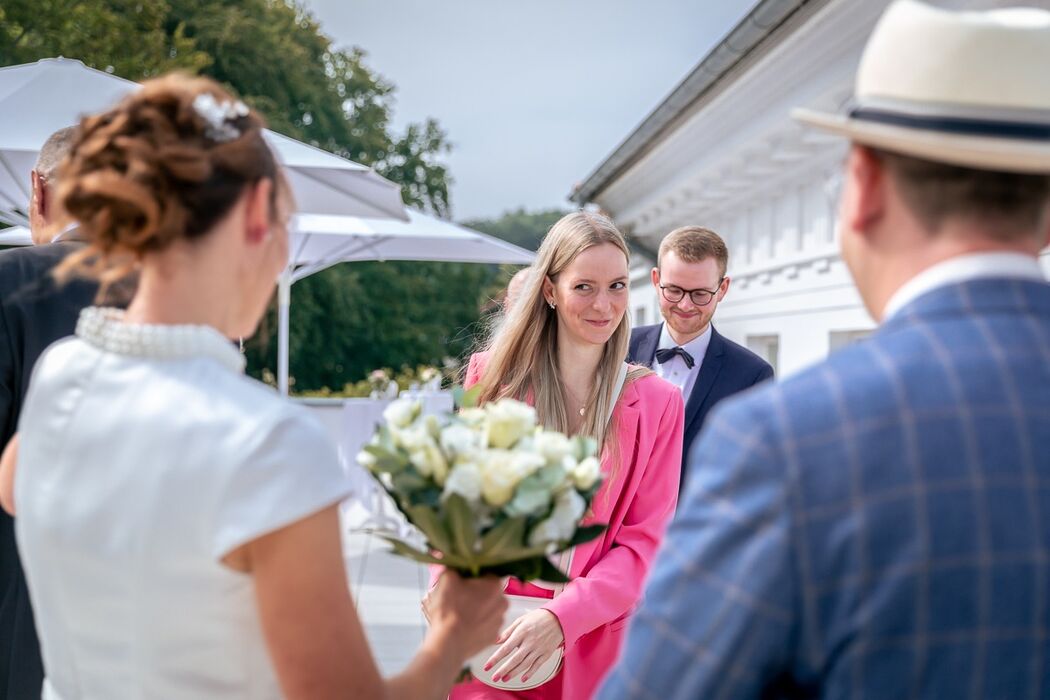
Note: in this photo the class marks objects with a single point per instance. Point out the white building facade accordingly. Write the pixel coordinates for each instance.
(723, 152)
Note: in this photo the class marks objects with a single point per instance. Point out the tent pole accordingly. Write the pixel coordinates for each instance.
(284, 300)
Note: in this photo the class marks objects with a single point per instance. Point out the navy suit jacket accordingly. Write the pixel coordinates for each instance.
(727, 369)
(34, 313)
(877, 526)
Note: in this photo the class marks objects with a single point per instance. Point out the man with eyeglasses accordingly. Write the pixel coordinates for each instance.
(690, 280)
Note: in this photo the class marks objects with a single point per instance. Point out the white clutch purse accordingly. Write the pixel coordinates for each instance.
(517, 606)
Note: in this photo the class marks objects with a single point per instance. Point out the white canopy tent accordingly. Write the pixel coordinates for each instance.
(354, 214)
(318, 242)
(37, 99)
(16, 235)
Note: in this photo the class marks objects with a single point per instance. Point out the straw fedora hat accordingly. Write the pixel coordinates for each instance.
(963, 88)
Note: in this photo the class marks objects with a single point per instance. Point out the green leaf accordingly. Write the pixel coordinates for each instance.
(530, 498)
(459, 519)
(511, 554)
(408, 481)
(523, 570)
(428, 522)
(466, 398)
(404, 549)
(550, 573)
(386, 461)
(508, 535)
(550, 476)
(430, 497)
(585, 533)
(584, 447)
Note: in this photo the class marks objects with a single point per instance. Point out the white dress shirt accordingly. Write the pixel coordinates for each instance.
(959, 269)
(675, 370)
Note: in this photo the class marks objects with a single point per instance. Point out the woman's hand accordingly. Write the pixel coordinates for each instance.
(470, 611)
(525, 645)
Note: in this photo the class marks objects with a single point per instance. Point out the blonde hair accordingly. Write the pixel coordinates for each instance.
(523, 357)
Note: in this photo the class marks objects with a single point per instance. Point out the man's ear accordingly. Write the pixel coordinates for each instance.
(726, 281)
(38, 201)
(654, 275)
(865, 201)
(258, 218)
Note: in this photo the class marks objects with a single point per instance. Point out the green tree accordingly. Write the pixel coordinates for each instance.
(98, 33)
(397, 314)
(351, 318)
(519, 227)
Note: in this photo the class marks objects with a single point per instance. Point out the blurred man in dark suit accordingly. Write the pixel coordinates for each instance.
(35, 311)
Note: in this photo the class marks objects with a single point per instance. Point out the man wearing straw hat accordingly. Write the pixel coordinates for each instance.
(879, 526)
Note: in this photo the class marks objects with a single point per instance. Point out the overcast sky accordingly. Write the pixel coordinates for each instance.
(534, 94)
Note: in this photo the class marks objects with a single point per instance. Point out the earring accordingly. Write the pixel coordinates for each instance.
(551, 304)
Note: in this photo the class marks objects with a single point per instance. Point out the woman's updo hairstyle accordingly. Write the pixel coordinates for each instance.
(163, 165)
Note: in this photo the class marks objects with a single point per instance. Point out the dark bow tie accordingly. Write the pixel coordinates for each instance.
(665, 354)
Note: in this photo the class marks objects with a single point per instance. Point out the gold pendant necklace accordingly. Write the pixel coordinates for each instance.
(569, 395)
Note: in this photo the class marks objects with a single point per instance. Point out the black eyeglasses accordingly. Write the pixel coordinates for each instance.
(700, 297)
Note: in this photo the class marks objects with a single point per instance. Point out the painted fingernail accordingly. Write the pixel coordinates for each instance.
(488, 666)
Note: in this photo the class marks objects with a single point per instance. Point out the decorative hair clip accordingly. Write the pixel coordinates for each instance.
(219, 116)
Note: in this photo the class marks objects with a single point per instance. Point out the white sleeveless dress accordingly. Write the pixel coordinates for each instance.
(146, 456)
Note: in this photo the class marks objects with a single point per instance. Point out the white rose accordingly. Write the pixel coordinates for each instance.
(458, 439)
(401, 413)
(526, 463)
(552, 445)
(415, 437)
(508, 422)
(586, 473)
(499, 476)
(569, 507)
(464, 479)
(472, 416)
(429, 461)
(366, 459)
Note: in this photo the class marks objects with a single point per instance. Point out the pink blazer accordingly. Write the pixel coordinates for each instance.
(608, 573)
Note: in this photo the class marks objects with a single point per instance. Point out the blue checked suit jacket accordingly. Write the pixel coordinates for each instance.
(875, 527)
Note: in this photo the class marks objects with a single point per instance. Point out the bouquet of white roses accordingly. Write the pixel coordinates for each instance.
(491, 492)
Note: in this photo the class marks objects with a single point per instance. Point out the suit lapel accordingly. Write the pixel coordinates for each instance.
(647, 346)
(709, 370)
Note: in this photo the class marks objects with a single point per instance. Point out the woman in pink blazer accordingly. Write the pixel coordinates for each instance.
(561, 348)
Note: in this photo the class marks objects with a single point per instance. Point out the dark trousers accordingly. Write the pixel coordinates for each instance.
(21, 669)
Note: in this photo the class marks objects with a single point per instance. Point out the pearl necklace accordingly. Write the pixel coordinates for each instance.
(105, 328)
